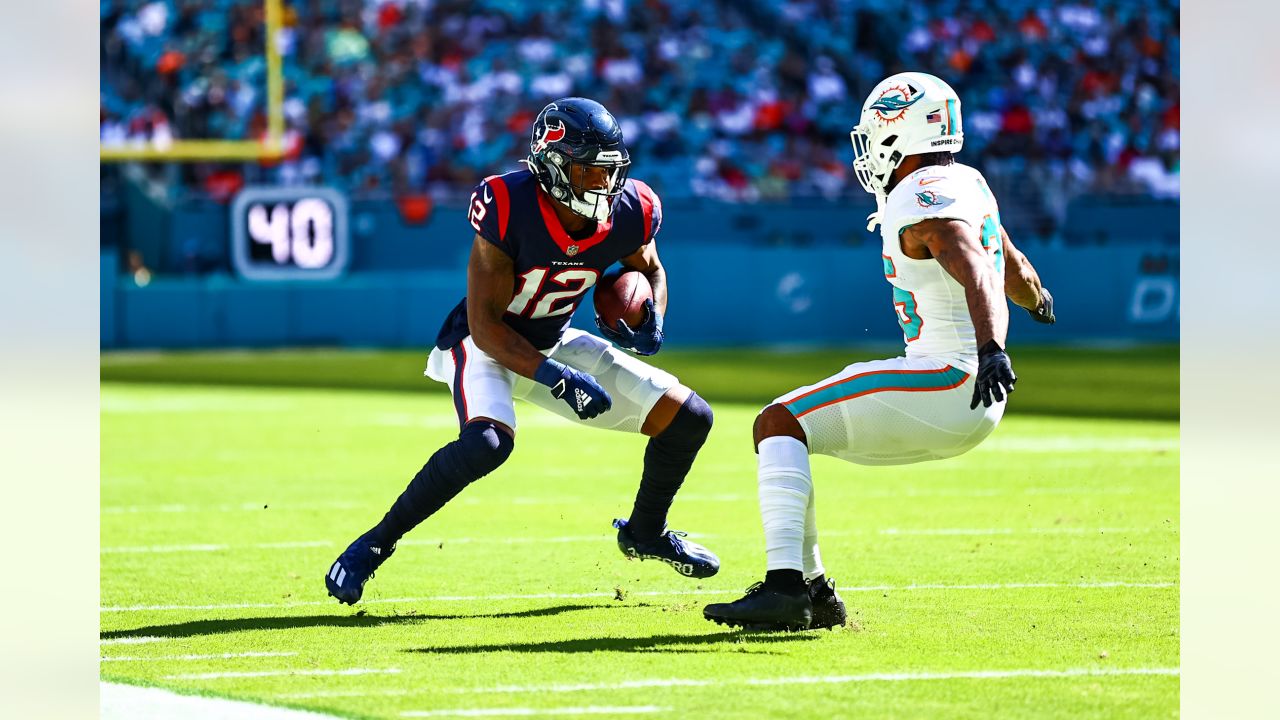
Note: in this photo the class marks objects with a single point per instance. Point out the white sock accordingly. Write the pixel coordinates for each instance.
(785, 487)
(812, 559)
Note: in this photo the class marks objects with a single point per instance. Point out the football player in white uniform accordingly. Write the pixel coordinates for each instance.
(950, 264)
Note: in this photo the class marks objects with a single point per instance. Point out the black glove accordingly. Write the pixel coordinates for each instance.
(645, 340)
(1043, 313)
(578, 389)
(995, 375)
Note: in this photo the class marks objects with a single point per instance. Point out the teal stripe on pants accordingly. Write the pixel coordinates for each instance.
(878, 381)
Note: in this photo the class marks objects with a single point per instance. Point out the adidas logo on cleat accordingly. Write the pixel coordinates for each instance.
(337, 573)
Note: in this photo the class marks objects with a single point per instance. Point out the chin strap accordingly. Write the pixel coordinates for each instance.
(874, 218)
(601, 209)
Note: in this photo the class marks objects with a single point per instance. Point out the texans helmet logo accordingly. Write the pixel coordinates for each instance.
(550, 133)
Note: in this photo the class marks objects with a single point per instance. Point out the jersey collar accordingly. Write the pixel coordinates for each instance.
(568, 245)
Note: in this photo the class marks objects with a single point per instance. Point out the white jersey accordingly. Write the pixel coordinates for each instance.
(930, 304)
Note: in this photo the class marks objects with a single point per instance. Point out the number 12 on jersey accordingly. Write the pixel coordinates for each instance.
(531, 287)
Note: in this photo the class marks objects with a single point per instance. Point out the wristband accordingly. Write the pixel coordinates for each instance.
(549, 372)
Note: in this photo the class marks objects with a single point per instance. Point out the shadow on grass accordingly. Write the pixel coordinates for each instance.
(194, 628)
(712, 642)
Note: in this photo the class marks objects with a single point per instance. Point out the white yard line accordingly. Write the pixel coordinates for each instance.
(527, 712)
(128, 702)
(510, 541)
(380, 692)
(644, 593)
(143, 549)
(141, 640)
(113, 406)
(224, 606)
(226, 507)
(822, 679)
(219, 656)
(561, 500)
(1079, 443)
(302, 544)
(281, 673)
(163, 549)
(444, 421)
(1015, 531)
(137, 549)
(766, 681)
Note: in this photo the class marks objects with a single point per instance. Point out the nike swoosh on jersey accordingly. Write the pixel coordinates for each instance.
(487, 197)
(927, 181)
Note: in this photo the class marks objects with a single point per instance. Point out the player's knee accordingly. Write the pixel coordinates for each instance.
(777, 421)
(692, 423)
(484, 446)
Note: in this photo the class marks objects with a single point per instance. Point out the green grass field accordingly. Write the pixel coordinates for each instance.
(1036, 576)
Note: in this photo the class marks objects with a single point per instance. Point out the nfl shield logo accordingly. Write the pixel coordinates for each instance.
(571, 250)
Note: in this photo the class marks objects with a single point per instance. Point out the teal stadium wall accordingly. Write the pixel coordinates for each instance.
(739, 275)
(719, 296)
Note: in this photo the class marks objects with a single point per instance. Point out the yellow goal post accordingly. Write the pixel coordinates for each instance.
(183, 150)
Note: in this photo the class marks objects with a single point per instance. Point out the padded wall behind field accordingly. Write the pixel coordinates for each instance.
(721, 294)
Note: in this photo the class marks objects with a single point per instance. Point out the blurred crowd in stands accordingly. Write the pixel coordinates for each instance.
(741, 101)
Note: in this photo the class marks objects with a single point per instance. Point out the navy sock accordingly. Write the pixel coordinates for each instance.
(480, 448)
(667, 460)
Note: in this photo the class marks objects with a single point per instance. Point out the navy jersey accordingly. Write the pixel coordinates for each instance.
(552, 270)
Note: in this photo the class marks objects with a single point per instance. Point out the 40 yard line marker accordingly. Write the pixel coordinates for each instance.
(646, 593)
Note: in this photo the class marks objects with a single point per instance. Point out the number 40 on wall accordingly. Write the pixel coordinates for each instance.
(289, 233)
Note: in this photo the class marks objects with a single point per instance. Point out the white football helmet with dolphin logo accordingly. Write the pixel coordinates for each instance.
(906, 114)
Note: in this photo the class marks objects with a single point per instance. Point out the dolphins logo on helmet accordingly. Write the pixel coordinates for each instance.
(903, 116)
(893, 103)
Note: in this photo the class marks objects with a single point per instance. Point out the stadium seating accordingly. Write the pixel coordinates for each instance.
(730, 102)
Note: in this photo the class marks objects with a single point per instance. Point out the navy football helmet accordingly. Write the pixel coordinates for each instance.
(573, 133)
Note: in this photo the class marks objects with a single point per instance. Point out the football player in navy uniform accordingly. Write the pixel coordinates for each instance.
(543, 237)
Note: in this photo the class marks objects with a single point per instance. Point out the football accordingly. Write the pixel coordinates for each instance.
(620, 294)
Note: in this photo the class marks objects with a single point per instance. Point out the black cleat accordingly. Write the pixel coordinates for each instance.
(353, 568)
(828, 608)
(687, 557)
(764, 608)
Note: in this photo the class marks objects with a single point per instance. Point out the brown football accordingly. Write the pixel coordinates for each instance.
(620, 294)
